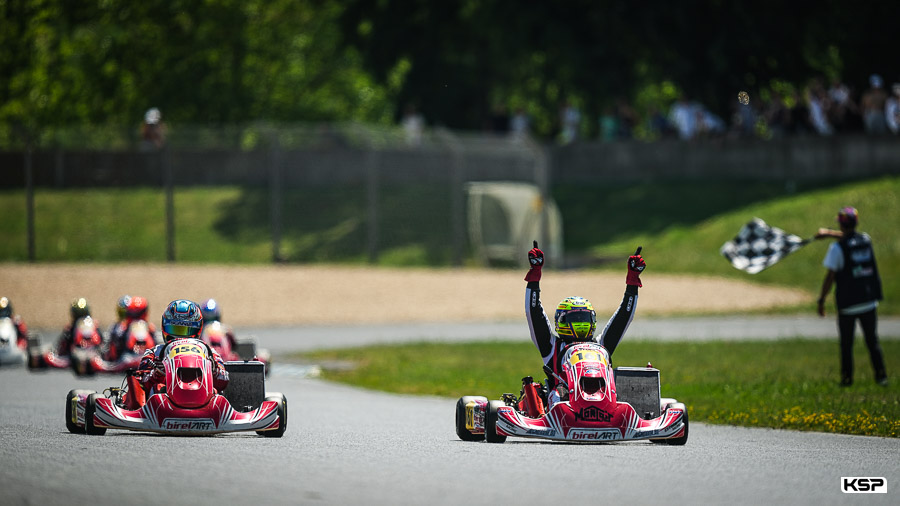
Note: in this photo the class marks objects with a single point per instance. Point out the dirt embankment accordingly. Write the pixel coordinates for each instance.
(323, 295)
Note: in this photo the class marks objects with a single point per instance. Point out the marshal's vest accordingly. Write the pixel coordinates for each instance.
(858, 281)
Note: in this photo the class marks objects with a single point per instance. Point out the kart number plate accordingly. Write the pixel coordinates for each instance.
(186, 349)
(585, 356)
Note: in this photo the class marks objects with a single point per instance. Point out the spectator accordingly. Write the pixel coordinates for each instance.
(626, 119)
(872, 105)
(777, 116)
(844, 112)
(743, 120)
(609, 125)
(683, 116)
(818, 107)
(520, 124)
(153, 131)
(570, 118)
(799, 115)
(499, 120)
(413, 125)
(892, 110)
(657, 124)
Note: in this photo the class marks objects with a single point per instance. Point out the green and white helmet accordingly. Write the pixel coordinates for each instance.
(575, 319)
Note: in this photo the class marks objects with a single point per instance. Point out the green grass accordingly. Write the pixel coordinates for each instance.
(681, 226)
(789, 384)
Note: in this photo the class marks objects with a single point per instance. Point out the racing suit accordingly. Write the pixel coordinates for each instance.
(117, 339)
(152, 375)
(551, 346)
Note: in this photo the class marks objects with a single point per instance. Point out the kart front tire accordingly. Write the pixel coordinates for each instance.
(89, 408)
(282, 416)
(461, 429)
(490, 423)
(71, 413)
(680, 441)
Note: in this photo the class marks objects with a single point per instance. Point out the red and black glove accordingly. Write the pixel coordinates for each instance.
(636, 266)
(536, 262)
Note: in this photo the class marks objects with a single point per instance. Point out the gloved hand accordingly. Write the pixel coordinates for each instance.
(536, 262)
(636, 266)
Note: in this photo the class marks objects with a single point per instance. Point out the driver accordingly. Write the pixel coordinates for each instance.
(135, 308)
(575, 320)
(6, 311)
(181, 320)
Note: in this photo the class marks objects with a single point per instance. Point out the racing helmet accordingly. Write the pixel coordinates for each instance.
(575, 319)
(211, 311)
(122, 306)
(5, 308)
(79, 309)
(182, 318)
(848, 216)
(137, 308)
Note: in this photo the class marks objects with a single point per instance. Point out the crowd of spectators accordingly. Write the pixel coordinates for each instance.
(818, 109)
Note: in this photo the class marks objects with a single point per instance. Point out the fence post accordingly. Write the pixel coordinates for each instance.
(275, 195)
(372, 160)
(162, 158)
(457, 210)
(29, 203)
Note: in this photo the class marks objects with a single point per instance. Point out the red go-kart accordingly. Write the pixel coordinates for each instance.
(591, 408)
(219, 337)
(86, 341)
(138, 339)
(187, 403)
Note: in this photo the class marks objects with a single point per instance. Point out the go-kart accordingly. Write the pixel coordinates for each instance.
(186, 403)
(597, 404)
(10, 351)
(215, 334)
(138, 339)
(86, 341)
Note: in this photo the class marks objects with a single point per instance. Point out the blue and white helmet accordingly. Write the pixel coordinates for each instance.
(182, 318)
(211, 311)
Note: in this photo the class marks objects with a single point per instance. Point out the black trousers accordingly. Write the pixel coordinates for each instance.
(846, 327)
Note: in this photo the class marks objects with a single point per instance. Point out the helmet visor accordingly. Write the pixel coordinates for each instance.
(180, 330)
(581, 316)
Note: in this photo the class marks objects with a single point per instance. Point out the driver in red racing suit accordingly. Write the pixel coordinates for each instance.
(575, 320)
(181, 320)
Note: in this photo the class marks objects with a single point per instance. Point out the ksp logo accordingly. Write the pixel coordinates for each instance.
(857, 485)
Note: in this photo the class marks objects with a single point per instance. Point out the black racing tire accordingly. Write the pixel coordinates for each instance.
(89, 408)
(680, 441)
(461, 429)
(282, 416)
(490, 423)
(35, 360)
(71, 412)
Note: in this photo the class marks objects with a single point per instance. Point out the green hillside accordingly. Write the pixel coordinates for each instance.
(680, 225)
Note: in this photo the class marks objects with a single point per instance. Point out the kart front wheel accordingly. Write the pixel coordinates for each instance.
(490, 423)
(72, 411)
(90, 406)
(461, 429)
(282, 416)
(680, 441)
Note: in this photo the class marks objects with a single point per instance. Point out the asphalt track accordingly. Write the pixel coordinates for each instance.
(348, 446)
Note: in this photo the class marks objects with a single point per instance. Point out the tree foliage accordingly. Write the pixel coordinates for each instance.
(228, 61)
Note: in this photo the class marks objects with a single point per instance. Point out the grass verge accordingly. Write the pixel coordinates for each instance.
(788, 384)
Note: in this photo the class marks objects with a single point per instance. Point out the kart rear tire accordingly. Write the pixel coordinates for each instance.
(490, 423)
(282, 416)
(89, 408)
(71, 410)
(461, 429)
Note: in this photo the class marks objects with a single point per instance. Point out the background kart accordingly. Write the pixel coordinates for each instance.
(10, 351)
(86, 341)
(138, 339)
(216, 334)
(189, 405)
(600, 404)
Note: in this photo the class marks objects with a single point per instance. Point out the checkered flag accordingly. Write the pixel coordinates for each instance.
(758, 246)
